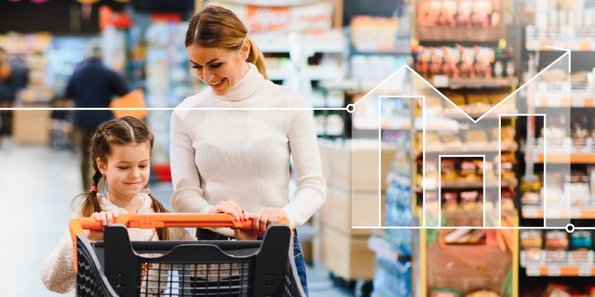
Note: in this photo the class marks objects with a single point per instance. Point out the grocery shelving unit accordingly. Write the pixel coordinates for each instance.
(168, 82)
(440, 248)
(553, 257)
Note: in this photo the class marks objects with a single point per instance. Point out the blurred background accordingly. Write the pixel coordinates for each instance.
(336, 52)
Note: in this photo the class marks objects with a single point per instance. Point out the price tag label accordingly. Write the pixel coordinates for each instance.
(553, 101)
(532, 270)
(584, 270)
(440, 81)
(553, 270)
(530, 212)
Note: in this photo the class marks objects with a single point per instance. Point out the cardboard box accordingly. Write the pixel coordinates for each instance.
(344, 209)
(354, 164)
(31, 126)
(347, 256)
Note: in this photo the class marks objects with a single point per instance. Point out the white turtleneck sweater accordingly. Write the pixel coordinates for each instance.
(57, 271)
(226, 152)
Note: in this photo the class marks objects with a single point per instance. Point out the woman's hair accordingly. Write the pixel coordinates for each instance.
(122, 131)
(218, 27)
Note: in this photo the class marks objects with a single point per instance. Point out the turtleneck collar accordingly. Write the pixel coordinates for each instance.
(245, 87)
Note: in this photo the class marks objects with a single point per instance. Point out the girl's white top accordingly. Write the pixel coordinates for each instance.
(57, 272)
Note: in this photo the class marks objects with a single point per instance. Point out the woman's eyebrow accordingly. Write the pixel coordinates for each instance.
(199, 64)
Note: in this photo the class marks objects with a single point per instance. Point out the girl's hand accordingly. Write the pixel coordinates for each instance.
(230, 207)
(267, 216)
(105, 217)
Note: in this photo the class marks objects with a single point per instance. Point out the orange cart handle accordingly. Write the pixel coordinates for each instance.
(161, 220)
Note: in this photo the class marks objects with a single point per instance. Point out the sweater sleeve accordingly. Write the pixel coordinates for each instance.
(180, 234)
(57, 272)
(188, 195)
(311, 185)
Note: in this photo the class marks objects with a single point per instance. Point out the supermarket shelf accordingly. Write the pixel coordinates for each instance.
(530, 211)
(323, 72)
(461, 185)
(457, 115)
(470, 148)
(278, 74)
(434, 124)
(574, 158)
(579, 39)
(557, 99)
(401, 47)
(573, 44)
(558, 263)
(473, 83)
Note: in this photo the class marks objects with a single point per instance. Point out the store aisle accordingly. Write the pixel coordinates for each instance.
(37, 185)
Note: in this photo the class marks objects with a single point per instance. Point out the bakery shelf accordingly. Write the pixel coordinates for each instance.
(573, 158)
(580, 39)
(558, 263)
(461, 185)
(531, 211)
(475, 83)
(577, 100)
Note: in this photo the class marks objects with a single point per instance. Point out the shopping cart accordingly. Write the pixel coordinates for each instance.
(118, 267)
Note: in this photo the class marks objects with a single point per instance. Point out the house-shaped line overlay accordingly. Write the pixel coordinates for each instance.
(474, 139)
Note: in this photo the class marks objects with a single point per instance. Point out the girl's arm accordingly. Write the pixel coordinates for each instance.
(188, 195)
(303, 145)
(57, 271)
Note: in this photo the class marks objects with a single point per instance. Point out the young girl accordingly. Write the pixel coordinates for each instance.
(121, 153)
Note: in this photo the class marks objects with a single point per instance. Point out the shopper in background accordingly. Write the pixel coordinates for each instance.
(4, 102)
(235, 160)
(14, 76)
(92, 86)
(121, 151)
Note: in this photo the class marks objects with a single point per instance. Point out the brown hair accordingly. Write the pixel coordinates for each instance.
(122, 131)
(218, 27)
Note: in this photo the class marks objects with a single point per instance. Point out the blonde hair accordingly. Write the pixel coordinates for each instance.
(218, 27)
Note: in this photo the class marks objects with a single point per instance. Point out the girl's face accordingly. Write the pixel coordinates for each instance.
(127, 169)
(219, 68)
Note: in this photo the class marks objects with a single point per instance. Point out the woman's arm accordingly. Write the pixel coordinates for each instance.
(311, 185)
(188, 195)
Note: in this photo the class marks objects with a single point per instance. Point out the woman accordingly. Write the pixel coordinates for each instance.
(231, 154)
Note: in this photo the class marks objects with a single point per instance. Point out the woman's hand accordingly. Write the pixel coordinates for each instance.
(267, 216)
(231, 207)
(105, 217)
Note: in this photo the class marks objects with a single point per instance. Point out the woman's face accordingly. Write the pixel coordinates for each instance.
(219, 68)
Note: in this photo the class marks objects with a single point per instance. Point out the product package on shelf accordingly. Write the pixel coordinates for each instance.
(456, 20)
(470, 267)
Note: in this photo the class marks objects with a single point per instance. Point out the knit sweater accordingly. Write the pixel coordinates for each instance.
(236, 147)
(57, 272)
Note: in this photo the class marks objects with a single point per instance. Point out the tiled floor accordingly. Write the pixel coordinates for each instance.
(37, 186)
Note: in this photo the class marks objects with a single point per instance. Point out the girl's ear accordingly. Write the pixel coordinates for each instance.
(102, 167)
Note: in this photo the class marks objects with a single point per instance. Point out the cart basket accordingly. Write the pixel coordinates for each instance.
(118, 267)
